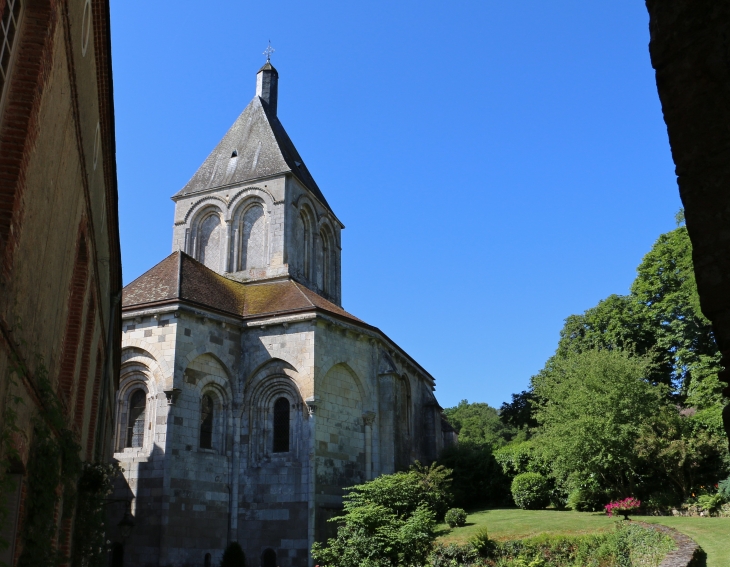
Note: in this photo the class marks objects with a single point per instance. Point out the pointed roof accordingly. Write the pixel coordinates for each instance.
(255, 146)
(180, 277)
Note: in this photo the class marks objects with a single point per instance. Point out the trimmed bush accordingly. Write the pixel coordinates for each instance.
(531, 491)
(455, 517)
(233, 556)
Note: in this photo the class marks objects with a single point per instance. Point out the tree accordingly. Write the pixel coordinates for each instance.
(666, 288)
(518, 412)
(479, 423)
(591, 409)
(681, 452)
(661, 320)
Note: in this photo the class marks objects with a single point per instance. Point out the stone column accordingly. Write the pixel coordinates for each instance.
(172, 396)
(386, 421)
(368, 419)
(312, 409)
(235, 466)
(227, 247)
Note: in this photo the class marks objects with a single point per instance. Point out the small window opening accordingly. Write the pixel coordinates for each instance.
(117, 555)
(268, 559)
(206, 423)
(234, 154)
(135, 423)
(207, 560)
(281, 425)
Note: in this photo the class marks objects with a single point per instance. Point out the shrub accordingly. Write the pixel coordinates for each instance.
(711, 503)
(531, 491)
(723, 489)
(455, 517)
(233, 556)
(453, 554)
(388, 521)
(481, 543)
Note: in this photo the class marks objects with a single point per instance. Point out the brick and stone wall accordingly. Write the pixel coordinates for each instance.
(60, 266)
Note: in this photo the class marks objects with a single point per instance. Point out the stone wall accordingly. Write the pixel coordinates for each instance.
(343, 428)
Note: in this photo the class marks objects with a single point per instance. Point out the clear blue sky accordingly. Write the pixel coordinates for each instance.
(498, 165)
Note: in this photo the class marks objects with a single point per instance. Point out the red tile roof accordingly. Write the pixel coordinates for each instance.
(179, 277)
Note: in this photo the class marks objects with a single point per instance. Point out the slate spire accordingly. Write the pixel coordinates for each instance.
(267, 87)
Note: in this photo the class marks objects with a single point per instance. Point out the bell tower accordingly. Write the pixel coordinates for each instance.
(253, 212)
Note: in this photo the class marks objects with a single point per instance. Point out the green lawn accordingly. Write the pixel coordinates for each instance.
(713, 534)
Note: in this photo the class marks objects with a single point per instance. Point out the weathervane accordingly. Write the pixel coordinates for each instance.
(268, 52)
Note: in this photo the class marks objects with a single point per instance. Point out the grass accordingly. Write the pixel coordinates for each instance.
(712, 534)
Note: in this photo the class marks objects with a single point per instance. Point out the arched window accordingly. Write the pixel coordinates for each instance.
(135, 422)
(253, 238)
(325, 263)
(305, 243)
(209, 234)
(268, 559)
(207, 560)
(281, 425)
(206, 422)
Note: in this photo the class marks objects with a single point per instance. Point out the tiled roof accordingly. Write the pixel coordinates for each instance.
(262, 148)
(179, 277)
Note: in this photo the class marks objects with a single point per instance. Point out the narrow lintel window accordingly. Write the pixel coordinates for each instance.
(8, 35)
(281, 425)
(206, 422)
(135, 423)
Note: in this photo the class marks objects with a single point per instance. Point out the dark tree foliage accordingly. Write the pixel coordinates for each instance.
(478, 479)
(519, 412)
(233, 556)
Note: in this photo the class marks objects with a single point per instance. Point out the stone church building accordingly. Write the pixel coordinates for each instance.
(248, 396)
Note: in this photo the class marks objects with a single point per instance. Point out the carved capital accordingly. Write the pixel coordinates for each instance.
(368, 418)
(172, 396)
(312, 403)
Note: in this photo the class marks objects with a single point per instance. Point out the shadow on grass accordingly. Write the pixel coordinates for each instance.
(699, 559)
(442, 532)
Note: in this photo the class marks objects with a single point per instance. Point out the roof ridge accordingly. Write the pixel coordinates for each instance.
(179, 273)
(148, 271)
(304, 295)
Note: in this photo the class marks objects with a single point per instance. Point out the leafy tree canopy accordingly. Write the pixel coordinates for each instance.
(591, 408)
(480, 423)
(660, 319)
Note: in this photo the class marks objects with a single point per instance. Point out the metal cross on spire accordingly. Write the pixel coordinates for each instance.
(268, 52)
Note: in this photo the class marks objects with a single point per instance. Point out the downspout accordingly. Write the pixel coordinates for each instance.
(101, 413)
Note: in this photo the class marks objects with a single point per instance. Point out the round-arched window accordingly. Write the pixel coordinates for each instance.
(281, 426)
(135, 422)
(206, 422)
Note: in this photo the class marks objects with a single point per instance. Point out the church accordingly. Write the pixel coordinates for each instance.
(249, 398)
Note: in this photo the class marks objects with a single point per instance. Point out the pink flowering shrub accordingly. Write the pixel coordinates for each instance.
(623, 507)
